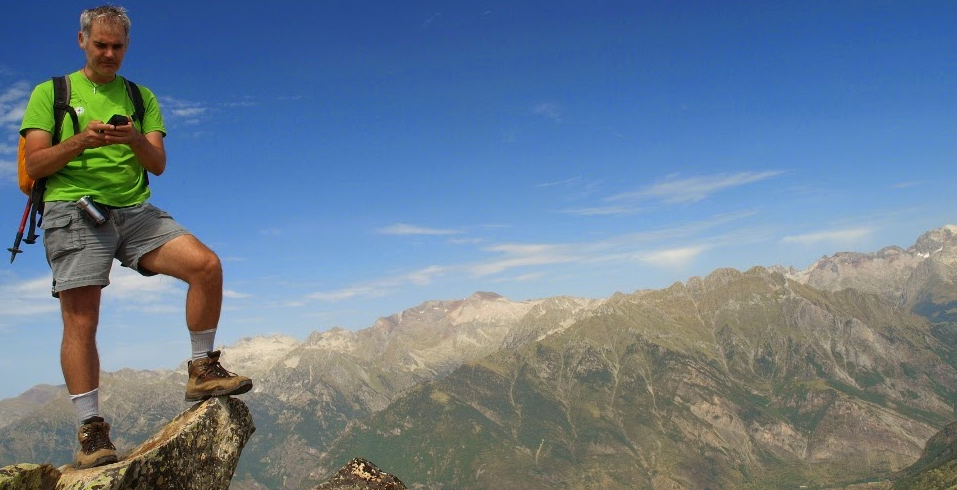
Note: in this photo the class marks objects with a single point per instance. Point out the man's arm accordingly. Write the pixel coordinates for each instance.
(149, 150)
(43, 159)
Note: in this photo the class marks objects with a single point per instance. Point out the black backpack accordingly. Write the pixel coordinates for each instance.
(35, 189)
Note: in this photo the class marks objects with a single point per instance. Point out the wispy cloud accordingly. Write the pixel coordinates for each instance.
(136, 291)
(185, 111)
(28, 298)
(550, 110)
(674, 247)
(521, 256)
(431, 20)
(406, 229)
(381, 287)
(678, 257)
(565, 182)
(604, 211)
(906, 185)
(245, 101)
(8, 171)
(677, 190)
(228, 293)
(13, 104)
(846, 236)
(189, 112)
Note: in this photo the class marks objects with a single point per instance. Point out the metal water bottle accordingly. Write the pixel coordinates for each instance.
(91, 210)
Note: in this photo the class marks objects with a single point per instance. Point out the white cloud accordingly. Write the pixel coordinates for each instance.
(129, 287)
(405, 229)
(551, 110)
(8, 171)
(183, 109)
(13, 104)
(382, 287)
(28, 298)
(675, 247)
(906, 185)
(675, 190)
(674, 257)
(563, 183)
(847, 236)
(422, 276)
(605, 211)
(246, 101)
(431, 20)
(348, 293)
(189, 112)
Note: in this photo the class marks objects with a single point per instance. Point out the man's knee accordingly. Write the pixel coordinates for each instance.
(212, 267)
(206, 265)
(80, 308)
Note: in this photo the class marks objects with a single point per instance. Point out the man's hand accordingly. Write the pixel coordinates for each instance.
(95, 135)
(119, 134)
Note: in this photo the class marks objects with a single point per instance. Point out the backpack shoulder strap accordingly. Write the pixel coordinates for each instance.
(139, 109)
(61, 106)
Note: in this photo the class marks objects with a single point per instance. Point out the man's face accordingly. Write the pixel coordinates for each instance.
(104, 49)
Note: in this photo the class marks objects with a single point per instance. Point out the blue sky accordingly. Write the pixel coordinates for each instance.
(351, 159)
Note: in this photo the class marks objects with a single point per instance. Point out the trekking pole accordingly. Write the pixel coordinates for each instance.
(16, 242)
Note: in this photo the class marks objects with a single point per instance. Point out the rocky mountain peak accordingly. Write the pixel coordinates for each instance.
(935, 240)
(485, 296)
(256, 355)
(888, 272)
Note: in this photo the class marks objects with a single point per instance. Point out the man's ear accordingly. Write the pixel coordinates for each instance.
(79, 39)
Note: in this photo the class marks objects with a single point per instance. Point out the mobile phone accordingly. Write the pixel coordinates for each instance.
(118, 120)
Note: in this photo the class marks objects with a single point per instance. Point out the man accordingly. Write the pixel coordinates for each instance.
(108, 163)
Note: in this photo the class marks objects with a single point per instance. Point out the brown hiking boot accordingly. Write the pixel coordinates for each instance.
(95, 446)
(207, 379)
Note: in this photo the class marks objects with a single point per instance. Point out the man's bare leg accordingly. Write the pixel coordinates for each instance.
(80, 362)
(79, 359)
(187, 259)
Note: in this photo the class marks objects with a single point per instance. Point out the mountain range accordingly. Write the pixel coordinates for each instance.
(772, 377)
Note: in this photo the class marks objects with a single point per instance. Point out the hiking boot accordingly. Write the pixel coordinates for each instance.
(95, 446)
(207, 379)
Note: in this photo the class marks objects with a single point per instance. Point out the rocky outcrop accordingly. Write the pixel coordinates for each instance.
(360, 474)
(28, 477)
(199, 449)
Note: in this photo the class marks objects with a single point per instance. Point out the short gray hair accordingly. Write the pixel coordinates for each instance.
(107, 13)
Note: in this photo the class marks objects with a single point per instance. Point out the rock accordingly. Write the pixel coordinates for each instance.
(199, 449)
(28, 476)
(360, 474)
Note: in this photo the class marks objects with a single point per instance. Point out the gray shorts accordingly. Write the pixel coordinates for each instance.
(81, 254)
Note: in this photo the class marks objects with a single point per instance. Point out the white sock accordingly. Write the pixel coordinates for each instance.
(203, 342)
(87, 405)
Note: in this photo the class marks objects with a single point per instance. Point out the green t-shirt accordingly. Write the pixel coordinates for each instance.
(112, 174)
